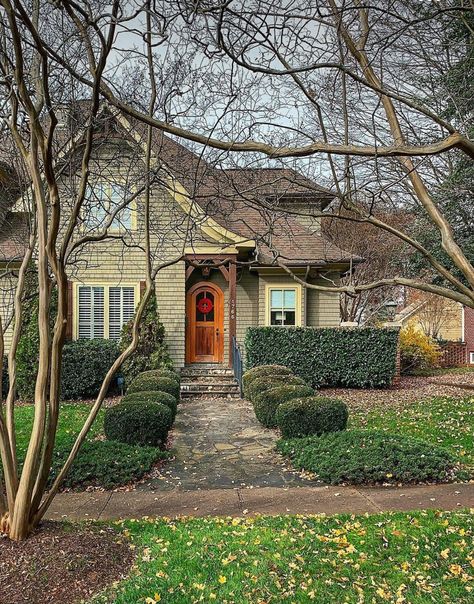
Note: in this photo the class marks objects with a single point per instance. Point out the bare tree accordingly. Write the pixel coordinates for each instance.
(339, 82)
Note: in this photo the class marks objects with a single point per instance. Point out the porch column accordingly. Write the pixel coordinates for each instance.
(232, 306)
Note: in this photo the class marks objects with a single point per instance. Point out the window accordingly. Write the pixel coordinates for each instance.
(283, 306)
(102, 200)
(121, 309)
(471, 357)
(103, 310)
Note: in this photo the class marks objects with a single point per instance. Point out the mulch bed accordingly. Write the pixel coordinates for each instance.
(61, 563)
(410, 390)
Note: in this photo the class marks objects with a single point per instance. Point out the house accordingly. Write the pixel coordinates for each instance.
(223, 238)
(447, 321)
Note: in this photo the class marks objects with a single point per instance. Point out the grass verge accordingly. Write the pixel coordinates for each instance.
(416, 558)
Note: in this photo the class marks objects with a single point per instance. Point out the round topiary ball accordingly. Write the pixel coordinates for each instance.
(138, 423)
(311, 415)
(149, 380)
(261, 371)
(267, 382)
(266, 403)
(153, 396)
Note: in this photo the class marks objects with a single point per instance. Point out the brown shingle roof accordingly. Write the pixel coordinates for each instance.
(246, 201)
(13, 237)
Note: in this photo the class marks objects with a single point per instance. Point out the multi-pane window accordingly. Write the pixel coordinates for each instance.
(104, 310)
(282, 306)
(102, 201)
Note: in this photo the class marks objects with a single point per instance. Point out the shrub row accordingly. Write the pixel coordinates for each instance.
(147, 412)
(281, 399)
(350, 357)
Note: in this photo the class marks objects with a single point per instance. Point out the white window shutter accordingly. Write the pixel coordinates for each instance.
(121, 309)
(91, 312)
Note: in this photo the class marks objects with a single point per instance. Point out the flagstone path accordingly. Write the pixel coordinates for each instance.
(218, 444)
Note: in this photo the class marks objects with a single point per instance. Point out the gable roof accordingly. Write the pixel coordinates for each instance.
(247, 202)
(244, 204)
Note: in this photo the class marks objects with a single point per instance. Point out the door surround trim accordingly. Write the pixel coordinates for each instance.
(190, 321)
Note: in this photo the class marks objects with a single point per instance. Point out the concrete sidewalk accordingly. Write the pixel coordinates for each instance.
(267, 500)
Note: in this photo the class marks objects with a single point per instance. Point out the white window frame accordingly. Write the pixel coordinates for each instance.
(471, 357)
(108, 187)
(279, 286)
(107, 286)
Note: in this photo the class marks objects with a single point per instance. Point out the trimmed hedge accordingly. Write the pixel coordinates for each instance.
(369, 457)
(138, 423)
(331, 356)
(106, 464)
(311, 415)
(154, 380)
(267, 403)
(263, 383)
(154, 396)
(84, 367)
(261, 371)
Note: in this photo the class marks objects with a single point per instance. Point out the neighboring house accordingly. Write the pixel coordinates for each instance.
(219, 232)
(449, 322)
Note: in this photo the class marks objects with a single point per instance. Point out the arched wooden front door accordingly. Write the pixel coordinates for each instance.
(205, 324)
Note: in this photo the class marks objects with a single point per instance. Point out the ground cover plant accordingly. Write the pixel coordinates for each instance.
(443, 421)
(416, 558)
(369, 457)
(99, 463)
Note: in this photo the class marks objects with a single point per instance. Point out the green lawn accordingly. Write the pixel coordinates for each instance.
(447, 422)
(71, 420)
(415, 558)
(100, 463)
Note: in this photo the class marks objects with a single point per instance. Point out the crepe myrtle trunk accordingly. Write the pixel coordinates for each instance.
(23, 510)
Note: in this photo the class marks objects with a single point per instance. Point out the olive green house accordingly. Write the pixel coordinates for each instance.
(221, 238)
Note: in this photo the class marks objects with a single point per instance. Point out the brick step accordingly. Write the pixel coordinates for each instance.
(205, 393)
(207, 387)
(208, 379)
(198, 372)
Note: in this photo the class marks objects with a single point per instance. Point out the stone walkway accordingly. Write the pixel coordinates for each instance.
(218, 444)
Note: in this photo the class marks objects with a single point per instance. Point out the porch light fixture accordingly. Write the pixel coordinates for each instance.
(391, 307)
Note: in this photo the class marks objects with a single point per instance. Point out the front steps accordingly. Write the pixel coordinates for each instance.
(208, 380)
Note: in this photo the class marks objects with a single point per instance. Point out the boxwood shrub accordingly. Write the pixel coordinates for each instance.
(263, 383)
(329, 356)
(262, 371)
(106, 464)
(85, 365)
(138, 423)
(311, 415)
(369, 457)
(154, 396)
(266, 403)
(154, 380)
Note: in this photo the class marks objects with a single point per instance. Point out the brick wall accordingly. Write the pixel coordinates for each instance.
(469, 331)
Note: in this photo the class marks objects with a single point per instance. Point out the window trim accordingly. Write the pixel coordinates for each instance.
(296, 287)
(133, 206)
(471, 357)
(106, 285)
